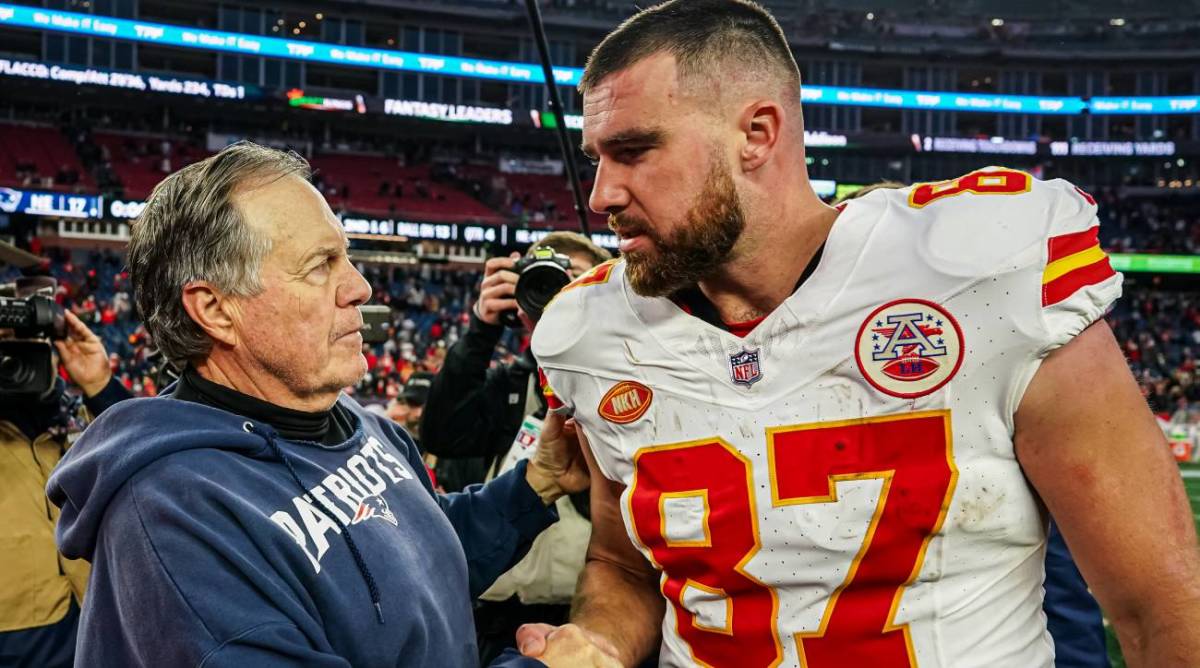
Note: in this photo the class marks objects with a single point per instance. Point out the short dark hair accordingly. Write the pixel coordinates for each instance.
(701, 34)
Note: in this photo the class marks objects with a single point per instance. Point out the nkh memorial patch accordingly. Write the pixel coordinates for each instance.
(744, 368)
(625, 402)
(909, 348)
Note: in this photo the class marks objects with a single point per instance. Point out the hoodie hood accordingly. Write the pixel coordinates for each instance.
(126, 439)
(209, 528)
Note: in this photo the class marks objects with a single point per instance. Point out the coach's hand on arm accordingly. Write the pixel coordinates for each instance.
(497, 293)
(617, 607)
(557, 468)
(1093, 451)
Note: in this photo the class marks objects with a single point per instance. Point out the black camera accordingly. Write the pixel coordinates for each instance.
(543, 273)
(26, 359)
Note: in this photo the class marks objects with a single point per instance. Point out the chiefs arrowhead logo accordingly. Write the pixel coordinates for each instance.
(625, 402)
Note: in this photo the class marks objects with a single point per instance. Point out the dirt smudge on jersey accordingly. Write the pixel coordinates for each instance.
(976, 510)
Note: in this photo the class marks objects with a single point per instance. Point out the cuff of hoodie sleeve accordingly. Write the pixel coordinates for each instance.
(520, 504)
(511, 658)
(105, 398)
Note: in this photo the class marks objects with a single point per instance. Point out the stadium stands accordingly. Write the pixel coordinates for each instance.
(380, 185)
(141, 160)
(39, 156)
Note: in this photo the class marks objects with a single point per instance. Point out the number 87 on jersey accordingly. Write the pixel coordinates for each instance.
(729, 617)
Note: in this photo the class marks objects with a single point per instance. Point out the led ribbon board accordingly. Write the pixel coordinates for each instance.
(908, 99)
(276, 47)
(146, 83)
(1163, 264)
(90, 25)
(43, 203)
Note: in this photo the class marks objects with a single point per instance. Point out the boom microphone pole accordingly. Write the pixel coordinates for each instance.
(564, 142)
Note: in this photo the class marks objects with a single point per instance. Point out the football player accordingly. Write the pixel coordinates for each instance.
(826, 437)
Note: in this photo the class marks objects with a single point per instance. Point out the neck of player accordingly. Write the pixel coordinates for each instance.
(769, 258)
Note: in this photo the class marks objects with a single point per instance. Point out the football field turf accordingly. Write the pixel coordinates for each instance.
(1191, 481)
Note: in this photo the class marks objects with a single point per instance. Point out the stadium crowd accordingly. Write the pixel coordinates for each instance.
(430, 308)
(1159, 329)
(1149, 225)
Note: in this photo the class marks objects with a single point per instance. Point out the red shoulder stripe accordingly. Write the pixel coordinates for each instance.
(1068, 284)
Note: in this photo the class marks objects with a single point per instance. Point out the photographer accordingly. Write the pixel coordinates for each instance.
(481, 420)
(40, 590)
(475, 410)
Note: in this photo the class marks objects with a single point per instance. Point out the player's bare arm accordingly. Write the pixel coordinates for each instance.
(617, 597)
(1091, 448)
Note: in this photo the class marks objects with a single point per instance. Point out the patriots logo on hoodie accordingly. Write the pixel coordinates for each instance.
(374, 506)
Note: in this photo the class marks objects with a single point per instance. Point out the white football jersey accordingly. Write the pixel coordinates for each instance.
(839, 487)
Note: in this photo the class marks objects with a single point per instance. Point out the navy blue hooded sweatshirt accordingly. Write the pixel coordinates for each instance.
(206, 550)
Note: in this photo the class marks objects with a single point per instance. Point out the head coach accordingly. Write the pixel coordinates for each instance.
(254, 515)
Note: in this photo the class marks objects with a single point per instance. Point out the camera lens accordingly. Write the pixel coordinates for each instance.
(13, 372)
(538, 285)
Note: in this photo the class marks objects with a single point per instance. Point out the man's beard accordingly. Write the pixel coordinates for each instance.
(694, 251)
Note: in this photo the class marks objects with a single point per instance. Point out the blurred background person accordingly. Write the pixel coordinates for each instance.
(406, 409)
(40, 590)
(475, 409)
(481, 420)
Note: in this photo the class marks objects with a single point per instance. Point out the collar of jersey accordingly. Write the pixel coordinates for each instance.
(675, 331)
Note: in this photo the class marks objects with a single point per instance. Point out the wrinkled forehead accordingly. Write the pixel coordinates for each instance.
(648, 89)
(291, 213)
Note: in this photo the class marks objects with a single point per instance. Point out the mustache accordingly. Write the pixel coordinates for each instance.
(625, 225)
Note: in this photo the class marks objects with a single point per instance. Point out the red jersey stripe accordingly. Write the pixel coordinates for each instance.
(552, 400)
(1069, 244)
(1068, 284)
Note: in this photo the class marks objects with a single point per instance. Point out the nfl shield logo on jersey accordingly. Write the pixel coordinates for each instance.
(909, 348)
(744, 369)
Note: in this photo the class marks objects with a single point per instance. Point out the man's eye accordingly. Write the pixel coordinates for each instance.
(630, 154)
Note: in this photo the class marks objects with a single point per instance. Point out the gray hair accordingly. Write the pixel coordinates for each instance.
(191, 230)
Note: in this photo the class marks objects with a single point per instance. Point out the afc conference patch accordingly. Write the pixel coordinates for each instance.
(744, 368)
(909, 348)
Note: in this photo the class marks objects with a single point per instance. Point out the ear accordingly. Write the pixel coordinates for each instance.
(213, 311)
(761, 124)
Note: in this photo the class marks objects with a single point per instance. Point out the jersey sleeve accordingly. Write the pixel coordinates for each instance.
(1078, 283)
(559, 338)
(1070, 285)
(553, 402)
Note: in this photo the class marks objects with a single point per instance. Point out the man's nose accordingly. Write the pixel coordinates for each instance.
(356, 290)
(609, 194)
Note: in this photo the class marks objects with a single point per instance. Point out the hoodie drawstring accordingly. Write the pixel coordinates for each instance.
(345, 530)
